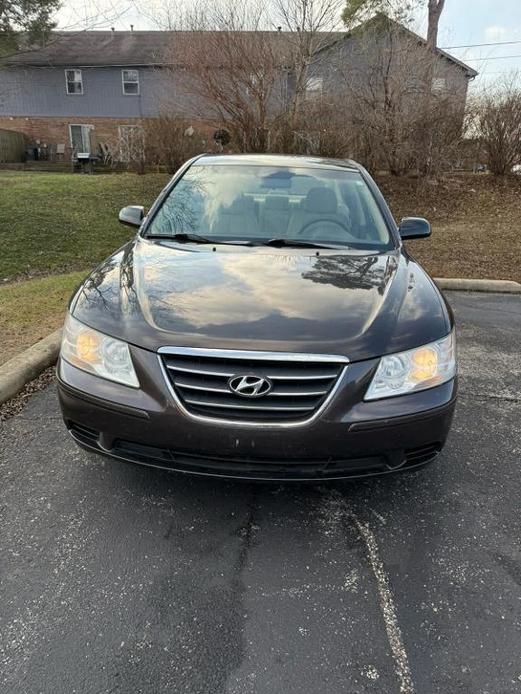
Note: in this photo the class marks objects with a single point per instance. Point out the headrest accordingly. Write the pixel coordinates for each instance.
(276, 202)
(240, 205)
(321, 201)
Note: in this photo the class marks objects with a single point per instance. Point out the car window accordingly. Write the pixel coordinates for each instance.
(255, 203)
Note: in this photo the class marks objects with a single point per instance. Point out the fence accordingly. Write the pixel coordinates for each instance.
(12, 146)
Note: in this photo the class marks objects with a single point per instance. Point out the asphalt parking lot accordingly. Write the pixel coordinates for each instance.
(115, 578)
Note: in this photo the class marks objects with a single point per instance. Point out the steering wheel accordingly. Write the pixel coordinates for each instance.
(315, 230)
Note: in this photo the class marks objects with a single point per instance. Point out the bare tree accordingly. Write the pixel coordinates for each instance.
(435, 8)
(377, 102)
(396, 121)
(230, 69)
(310, 25)
(498, 125)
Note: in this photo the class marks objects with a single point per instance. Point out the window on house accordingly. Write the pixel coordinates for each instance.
(314, 86)
(439, 84)
(74, 81)
(81, 138)
(130, 79)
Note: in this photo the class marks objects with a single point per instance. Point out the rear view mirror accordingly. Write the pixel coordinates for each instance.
(132, 215)
(414, 228)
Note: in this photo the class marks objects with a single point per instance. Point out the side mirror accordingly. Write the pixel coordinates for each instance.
(414, 228)
(132, 215)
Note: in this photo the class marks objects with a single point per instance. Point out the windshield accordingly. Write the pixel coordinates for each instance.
(260, 203)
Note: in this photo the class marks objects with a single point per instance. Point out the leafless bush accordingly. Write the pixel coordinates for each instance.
(498, 125)
(170, 141)
(319, 129)
(124, 149)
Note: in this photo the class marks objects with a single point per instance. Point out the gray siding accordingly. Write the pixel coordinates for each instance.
(349, 63)
(41, 92)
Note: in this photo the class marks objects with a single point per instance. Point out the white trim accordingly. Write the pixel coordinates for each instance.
(124, 81)
(73, 69)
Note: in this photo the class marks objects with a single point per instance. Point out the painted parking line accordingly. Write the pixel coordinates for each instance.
(387, 604)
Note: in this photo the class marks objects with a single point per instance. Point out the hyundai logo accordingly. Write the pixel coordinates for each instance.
(250, 386)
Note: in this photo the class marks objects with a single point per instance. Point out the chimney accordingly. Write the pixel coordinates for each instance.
(112, 30)
(279, 28)
(131, 27)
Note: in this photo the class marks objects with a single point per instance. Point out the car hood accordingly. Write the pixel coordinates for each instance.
(361, 305)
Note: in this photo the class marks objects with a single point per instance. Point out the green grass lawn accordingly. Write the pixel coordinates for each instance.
(60, 222)
(32, 309)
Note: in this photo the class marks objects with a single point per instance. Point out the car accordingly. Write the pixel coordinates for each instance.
(266, 322)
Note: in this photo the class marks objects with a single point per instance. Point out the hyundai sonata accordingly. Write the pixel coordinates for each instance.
(265, 322)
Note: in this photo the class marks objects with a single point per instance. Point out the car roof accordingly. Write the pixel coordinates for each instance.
(275, 160)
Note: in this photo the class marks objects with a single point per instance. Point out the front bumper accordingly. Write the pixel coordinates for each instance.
(351, 438)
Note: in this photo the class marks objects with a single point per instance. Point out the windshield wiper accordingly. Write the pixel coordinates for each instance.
(295, 243)
(183, 237)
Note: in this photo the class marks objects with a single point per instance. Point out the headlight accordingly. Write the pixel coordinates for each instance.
(416, 369)
(97, 353)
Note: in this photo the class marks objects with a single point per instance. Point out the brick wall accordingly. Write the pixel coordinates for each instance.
(54, 131)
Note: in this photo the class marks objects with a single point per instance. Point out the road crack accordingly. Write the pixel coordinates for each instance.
(490, 396)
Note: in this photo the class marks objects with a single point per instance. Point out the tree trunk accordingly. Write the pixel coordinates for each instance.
(435, 10)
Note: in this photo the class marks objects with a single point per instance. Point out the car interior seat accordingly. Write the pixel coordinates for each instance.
(275, 214)
(320, 206)
(239, 219)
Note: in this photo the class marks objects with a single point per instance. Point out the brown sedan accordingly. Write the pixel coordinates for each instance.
(266, 322)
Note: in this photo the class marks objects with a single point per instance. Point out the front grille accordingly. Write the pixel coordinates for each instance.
(300, 384)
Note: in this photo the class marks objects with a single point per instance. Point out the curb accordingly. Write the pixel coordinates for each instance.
(465, 285)
(29, 364)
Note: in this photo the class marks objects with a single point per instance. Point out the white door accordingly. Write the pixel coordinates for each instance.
(81, 138)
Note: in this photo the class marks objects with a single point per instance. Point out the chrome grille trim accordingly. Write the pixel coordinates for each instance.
(251, 407)
(253, 354)
(201, 392)
(271, 376)
(226, 391)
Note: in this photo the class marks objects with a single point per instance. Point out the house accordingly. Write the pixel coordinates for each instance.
(84, 89)
(82, 84)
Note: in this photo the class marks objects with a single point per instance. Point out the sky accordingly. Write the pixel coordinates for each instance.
(463, 22)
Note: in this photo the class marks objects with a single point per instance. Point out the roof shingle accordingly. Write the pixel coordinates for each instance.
(142, 48)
